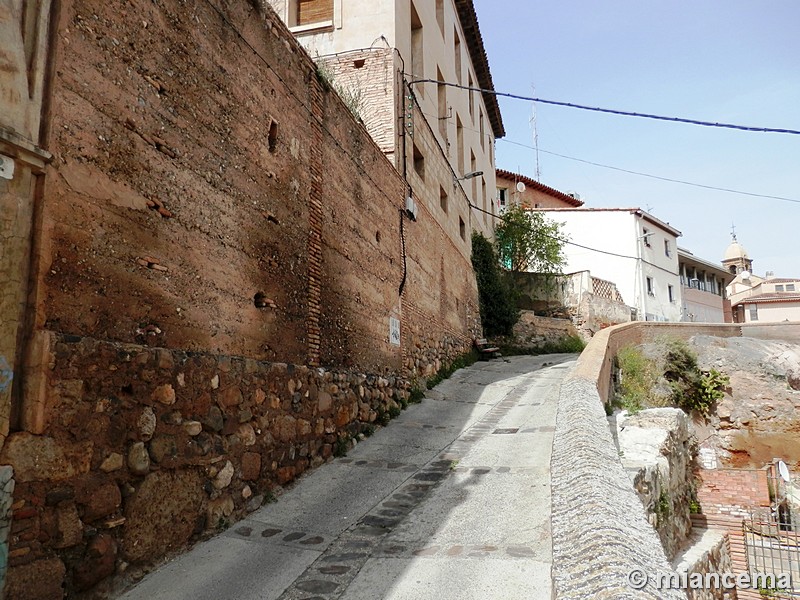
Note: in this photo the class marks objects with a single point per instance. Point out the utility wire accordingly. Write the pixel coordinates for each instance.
(611, 110)
(700, 185)
(558, 239)
(659, 177)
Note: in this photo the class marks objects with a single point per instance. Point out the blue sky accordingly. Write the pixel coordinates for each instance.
(733, 61)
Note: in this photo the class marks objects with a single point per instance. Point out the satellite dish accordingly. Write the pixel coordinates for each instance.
(745, 274)
(783, 470)
(520, 187)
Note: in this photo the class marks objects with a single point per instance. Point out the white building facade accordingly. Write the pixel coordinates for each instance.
(630, 248)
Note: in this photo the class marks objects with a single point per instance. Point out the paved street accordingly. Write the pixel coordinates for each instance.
(450, 501)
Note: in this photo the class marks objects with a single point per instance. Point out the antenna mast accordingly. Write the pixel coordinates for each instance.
(535, 134)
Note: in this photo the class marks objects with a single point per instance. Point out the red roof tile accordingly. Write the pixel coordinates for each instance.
(540, 187)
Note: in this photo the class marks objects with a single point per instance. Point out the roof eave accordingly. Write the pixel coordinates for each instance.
(480, 61)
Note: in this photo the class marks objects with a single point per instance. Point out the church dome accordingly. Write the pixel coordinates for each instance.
(735, 251)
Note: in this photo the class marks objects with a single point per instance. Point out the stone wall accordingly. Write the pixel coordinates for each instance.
(708, 552)
(600, 530)
(150, 448)
(656, 448)
(592, 304)
(534, 332)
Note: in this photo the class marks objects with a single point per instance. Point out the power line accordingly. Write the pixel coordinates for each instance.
(558, 239)
(700, 185)
(611, 110)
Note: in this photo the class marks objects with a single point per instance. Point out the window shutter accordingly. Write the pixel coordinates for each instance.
(314, 11)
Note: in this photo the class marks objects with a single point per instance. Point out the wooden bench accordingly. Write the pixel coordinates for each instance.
(485, 350)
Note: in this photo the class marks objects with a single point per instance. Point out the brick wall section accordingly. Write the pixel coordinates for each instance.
(733, 492)
(372, 77)
(315, 222)
(149, 448)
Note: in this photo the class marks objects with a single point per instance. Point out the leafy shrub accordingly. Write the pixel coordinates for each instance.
(497, 297)
(638, 377)
(690, 388)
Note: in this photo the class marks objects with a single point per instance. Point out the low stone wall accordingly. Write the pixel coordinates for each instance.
(532, 331)
(708, 552)
(147, 449)
(656, 450)
(600, 532)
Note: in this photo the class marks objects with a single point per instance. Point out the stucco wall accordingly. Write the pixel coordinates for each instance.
(702, 307)
(773, 312)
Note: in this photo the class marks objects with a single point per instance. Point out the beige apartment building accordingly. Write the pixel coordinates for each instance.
(377, 52)
(703, 283)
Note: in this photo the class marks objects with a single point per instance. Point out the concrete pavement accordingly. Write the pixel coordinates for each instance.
(451, 500)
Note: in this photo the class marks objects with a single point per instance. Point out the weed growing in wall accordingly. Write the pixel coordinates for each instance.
(352, 96)
(638, 377)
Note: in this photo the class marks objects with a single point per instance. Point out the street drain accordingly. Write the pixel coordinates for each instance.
(505, 431)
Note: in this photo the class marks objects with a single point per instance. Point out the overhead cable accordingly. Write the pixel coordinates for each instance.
(611, 110)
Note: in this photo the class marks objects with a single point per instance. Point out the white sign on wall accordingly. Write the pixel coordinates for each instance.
(6, 167)
(394, 331)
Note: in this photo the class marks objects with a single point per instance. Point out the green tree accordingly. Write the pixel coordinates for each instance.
(529, 241)
(498, 304)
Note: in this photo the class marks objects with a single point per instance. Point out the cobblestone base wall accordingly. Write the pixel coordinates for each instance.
(147, 449)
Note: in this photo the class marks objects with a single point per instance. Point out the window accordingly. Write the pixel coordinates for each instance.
(419, 163)
(473, 166)
(778, 288)
(440, 14)
(442, 198)
(309, 12)
(460, 144)
(650, 289)
(790, 287)
(754, 312)
(471, 99)
(502, 197)
(417, 60)
(462, 229)
(667, 248)
(483, 131)
(441, 91)
(671, 291)
(646, 236)
(457, 52)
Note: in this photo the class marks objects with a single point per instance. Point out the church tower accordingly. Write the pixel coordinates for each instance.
(736, 259)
